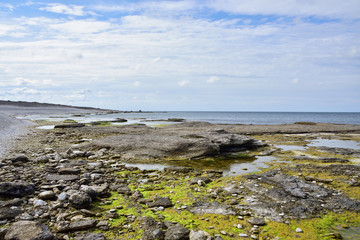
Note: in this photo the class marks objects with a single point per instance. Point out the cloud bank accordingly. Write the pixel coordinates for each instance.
(212, 55)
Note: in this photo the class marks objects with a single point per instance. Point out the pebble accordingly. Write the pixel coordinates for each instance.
(243, 235)
(223, 232)
(299, 230)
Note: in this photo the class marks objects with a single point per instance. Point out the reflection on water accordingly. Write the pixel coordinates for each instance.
(350, 233)
(334, 143)
(147, 166)
(46, 127)
(229, 167)
(291, 147)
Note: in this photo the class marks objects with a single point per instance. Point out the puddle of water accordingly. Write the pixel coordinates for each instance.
(334, 143)
(350, 233)
(291, 147)
(147, 166)
(46, 127)
(230, 167)
(247, 167)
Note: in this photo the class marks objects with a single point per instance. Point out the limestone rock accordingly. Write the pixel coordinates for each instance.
(28, 230)
(177, 232)
(80, 200)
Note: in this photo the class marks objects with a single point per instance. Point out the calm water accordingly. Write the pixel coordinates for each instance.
(220, 117)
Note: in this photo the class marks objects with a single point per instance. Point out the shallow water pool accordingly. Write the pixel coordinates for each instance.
(334, 143)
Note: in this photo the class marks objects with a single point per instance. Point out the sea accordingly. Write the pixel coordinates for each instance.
(255, 118)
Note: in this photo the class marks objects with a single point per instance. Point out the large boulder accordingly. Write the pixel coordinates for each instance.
(80, 200)
(177, 232)
(16, 189)
(28, 230)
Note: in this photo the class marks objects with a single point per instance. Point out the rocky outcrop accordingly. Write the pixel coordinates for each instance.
(158, 143)
(28, 230)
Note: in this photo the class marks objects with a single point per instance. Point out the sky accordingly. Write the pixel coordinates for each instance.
(186, 55)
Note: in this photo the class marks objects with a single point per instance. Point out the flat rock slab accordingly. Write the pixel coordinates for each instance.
(211, 208)
(82, 225)
(9, 213)
(69, 171)
(13, 189)
(28, 230)
(160, 202)
(73, 125)
(58, 177)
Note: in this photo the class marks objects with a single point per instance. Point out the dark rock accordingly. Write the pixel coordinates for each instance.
(196, 179)
(73, 125)
(28, 230)
(177, 232)
(12, 202)
(79, 200)
(14, 189)
(91, 236)
(19, 159)
(56, 177)
(160, 202)
(82, 225)
(257, 221)
(124, 189)
(178, 169)
(69, 171)
(9, 213)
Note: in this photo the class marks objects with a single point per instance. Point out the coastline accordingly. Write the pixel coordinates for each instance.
(85, 180)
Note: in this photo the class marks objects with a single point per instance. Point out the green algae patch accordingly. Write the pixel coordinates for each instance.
(317, 228)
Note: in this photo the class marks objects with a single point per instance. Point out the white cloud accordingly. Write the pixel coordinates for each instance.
(64, 9)
(295, 81)
(19, 81)
(212, 79)
(321, 8)
(7, 6)
(183, 83)
(23, 91)
(137, 83)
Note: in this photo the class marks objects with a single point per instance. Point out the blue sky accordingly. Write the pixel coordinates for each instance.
(210, 55)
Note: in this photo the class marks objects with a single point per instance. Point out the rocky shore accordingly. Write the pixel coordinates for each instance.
(74, 183)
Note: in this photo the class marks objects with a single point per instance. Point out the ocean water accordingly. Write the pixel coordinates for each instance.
(255, 118)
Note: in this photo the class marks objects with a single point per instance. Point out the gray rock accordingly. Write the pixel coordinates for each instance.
(257, 221)
(211, 208)
(177, 232)
(91, 236)
(160, 202)
(12, 202)
(57, 177)
(80, 200)
(124, 189)
(14, 189)
(69, 171)
(9, 213)
(82, 225)
(39, 203)
(197, 179)
(197, 235)
(28, 230)
(91, 191)
(72, 125)
(62, 196)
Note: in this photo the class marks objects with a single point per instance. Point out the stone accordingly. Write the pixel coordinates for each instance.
(80, 200)
(257, 221)
(62, 196)
(160, 202)
(16, 189)
(299, 230)
(91, 236)
(7, 213)
(211, 208)
(47, 195)
(39, 203)
(91, 191)
(69, 171)
(19, 159)
(244, 235)
(28, 230)
(57, 177)
(124, 189)
(177, 232)
(73, 125)
(197, 235)
(196, 180)
(82, 225)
